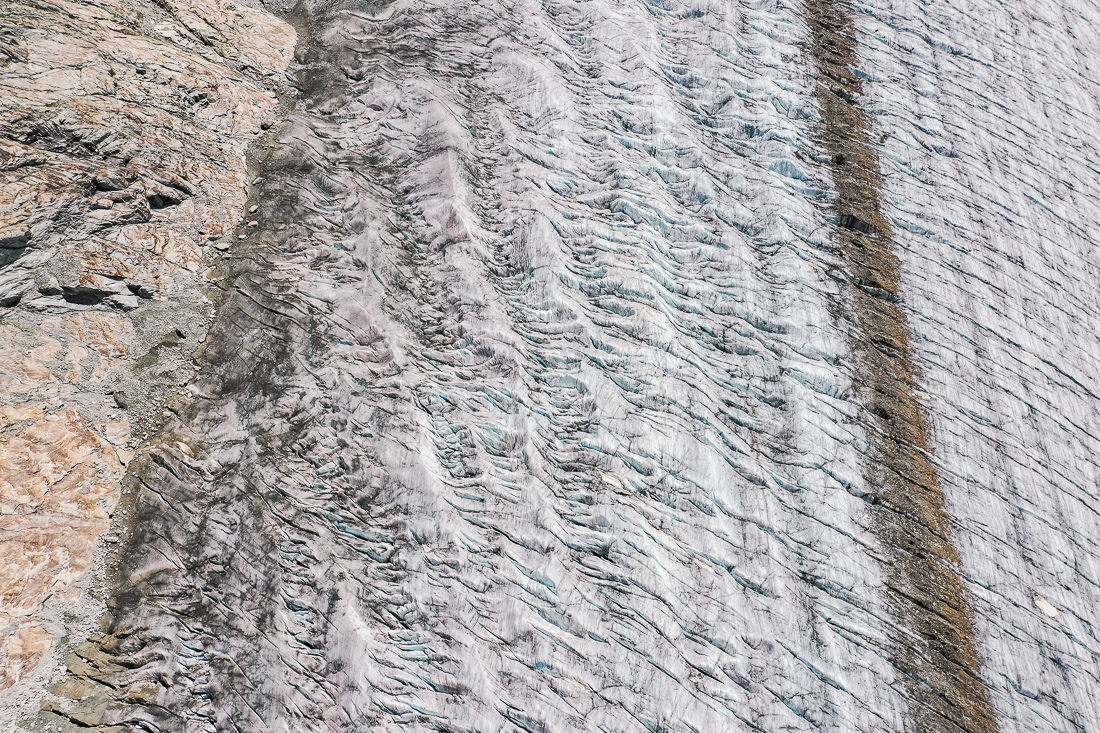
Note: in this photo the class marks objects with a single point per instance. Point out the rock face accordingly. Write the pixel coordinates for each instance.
(123, 130)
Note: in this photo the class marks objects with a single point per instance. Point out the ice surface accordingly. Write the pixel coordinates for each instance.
(541, 398)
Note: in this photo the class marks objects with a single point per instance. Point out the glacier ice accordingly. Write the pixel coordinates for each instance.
(645, 366)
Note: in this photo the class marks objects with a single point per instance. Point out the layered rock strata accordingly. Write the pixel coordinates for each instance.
(123, 131)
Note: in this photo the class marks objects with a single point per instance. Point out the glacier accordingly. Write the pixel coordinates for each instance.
(642, 366)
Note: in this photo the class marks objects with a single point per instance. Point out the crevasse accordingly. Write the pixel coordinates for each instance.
(548, 397)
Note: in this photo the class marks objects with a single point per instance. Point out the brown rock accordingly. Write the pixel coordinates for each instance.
(122, 139)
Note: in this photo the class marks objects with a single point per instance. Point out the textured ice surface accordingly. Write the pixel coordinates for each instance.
(536, 401)
(991, 161)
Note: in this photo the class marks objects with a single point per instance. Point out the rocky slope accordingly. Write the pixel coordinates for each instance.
(123, 131)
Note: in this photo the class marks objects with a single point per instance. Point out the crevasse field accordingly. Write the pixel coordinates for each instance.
(647, 366)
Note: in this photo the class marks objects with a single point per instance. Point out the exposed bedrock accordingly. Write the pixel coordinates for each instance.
(123, 130)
